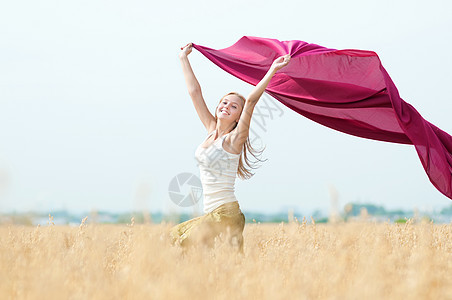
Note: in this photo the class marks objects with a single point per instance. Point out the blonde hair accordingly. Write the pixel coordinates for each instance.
(242, 171)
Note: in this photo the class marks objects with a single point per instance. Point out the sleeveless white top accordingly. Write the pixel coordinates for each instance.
(218, 170)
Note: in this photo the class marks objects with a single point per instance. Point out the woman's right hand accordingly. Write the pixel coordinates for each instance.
(280, 62)
(186, 50)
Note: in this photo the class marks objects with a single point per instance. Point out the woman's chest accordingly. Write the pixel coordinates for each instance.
(215, 157)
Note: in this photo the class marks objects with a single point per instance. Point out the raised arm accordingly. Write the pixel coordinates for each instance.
(259, 89)
(242, 130)
(194, 89)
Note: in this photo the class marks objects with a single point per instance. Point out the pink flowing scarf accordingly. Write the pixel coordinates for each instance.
(346, 90)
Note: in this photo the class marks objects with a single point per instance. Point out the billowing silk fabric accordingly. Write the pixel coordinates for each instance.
(347, 90)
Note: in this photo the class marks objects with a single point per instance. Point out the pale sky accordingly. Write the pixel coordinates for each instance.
(95, 114)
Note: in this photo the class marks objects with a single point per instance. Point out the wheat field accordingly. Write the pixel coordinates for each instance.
(280, 261)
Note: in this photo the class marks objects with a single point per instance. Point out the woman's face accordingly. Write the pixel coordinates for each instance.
(230, 108)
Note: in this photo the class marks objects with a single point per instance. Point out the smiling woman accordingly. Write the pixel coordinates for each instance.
(219, 159)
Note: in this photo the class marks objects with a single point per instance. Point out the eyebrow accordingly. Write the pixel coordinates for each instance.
(230, 101)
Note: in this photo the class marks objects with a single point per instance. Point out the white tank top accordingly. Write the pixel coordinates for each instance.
(218, 170)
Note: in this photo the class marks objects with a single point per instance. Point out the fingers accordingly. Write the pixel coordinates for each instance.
(287, 59)
(284, 58)
(188, 45)
(281, 61)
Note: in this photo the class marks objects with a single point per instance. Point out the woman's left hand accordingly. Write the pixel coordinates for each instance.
(280, 62)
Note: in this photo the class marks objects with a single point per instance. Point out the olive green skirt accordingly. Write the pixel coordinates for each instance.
(226, 221)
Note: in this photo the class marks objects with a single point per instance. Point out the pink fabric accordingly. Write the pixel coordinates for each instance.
(347, 90)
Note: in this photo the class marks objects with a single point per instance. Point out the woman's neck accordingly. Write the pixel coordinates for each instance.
(223, 129)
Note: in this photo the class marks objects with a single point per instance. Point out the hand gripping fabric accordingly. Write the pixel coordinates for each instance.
(346, 90)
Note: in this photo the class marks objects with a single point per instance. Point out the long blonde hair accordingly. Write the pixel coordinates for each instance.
(242, 171)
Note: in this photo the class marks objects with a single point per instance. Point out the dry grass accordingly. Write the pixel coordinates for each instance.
(298, 261)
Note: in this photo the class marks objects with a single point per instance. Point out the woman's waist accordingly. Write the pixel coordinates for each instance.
(218, 174)
(222, 206)
(213, 193)
(217, 183)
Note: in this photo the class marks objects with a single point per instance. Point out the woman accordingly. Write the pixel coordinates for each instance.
(219, 159)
